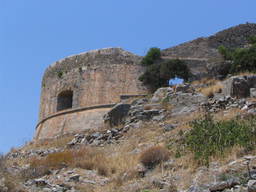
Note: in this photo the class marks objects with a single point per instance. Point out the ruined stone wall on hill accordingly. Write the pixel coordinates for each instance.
(205, 49)
(233, 37)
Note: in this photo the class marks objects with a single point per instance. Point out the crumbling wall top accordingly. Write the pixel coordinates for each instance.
(99, 57)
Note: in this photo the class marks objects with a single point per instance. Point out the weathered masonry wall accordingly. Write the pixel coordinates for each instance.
(94, 78)
(71, 123)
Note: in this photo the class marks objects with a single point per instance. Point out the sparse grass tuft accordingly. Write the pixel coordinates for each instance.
(212, 89)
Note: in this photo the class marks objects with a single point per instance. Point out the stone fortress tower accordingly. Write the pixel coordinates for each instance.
(78, 90)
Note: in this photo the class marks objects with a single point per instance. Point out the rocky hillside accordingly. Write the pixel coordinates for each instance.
(206, 48)
(202, 54)
(147, 146)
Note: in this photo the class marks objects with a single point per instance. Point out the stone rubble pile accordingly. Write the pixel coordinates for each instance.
(65, 180)
(33, 152)
(223, 103)
(98, 138)
(227, 102)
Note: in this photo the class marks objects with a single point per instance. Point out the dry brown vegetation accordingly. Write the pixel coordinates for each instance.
(154, 155)
(204, 81)
(49, 143)
(119, 162)
(10, 181)
(212, 88)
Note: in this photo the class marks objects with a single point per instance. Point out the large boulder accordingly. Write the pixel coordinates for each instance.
(183, 103)
(117, 114)
(251, 186)
(239, 86)
(161, 93)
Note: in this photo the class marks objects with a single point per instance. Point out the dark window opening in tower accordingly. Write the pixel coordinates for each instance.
(65, 100)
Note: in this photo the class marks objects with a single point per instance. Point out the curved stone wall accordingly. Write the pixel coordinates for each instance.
(95, 78)
(71, 122)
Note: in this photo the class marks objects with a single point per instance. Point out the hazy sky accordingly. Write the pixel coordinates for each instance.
(35, 33)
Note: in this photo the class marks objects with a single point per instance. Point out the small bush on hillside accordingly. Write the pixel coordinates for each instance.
(208, 137)
(60, 74)
(154, 156)
(212, 89)
(174, 68)
(52, 161)
(252, 39)
(244, 60)
(225, 52)
(153, 55)
(151, 77)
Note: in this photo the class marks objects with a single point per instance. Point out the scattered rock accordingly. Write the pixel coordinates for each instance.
(169, 127)
(117, 114)
(74, 178)
(251, 186)
(161, 93)
(239, 86)
(40, 182)
(253, 92)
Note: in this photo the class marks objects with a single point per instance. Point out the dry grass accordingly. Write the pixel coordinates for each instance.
(154, 156)
(147, 107)
(204, 81)
(49, 143)
(212, 86)
(10, 181)
(245, 73)
(119, 162)
(212, 89)
(87, 158)
(228, 115)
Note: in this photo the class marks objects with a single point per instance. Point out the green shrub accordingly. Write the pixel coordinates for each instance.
(242, 59)
(158, 75)
(252, 39)
(60, 74)
(174, 68)
(151, 77)
(225, 52)
(208, 137)
(153, 55)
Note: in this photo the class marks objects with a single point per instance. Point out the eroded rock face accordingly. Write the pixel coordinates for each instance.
(183, 103)
(116, 115)
(201, 55)
(252, 186)
(239, 86)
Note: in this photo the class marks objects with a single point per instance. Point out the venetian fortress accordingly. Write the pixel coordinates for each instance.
(79, 90)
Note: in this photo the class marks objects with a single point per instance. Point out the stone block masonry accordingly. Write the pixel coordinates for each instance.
(95, 78)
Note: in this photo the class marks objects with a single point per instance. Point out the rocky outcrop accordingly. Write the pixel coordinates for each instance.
(239, 86)
(202, 56)
(117, 114)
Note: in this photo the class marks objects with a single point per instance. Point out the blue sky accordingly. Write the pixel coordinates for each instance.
(35, 33)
